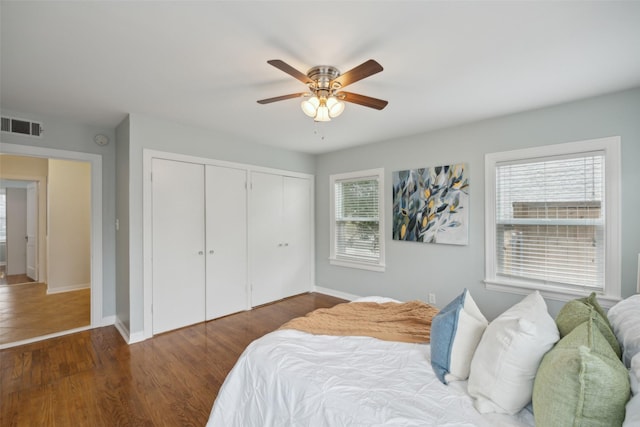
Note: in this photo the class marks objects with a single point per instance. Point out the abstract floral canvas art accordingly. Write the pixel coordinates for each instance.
(431, 205)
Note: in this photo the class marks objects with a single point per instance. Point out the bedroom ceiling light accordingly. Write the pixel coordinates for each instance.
(322, 109)
(325, 99)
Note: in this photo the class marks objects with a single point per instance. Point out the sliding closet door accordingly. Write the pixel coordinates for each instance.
(178, 244)
(226, 222)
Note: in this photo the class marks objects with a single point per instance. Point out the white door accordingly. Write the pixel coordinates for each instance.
(265, 222)
(32, 230)
(226, 224)
(178, 244)
(297, 235)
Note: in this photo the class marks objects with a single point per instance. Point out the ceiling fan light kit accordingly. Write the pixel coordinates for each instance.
(325, 99)
(322, 109)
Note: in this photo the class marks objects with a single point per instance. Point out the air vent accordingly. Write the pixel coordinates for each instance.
(21, 127)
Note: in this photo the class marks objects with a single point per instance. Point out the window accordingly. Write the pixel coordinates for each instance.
(357, 220)
(552, 220)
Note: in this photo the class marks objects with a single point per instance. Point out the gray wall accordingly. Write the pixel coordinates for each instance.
(413, 269)
(72, 136)
(153, 133)
(416, 269)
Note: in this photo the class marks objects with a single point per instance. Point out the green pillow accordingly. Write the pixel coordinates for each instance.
(577, 311)
(581, 382)
(593, 302)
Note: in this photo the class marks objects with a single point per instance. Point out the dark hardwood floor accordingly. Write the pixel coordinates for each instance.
(93, 378)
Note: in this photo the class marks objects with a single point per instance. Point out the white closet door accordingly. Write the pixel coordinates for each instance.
(265, 219)
(178, 244)
(297, 235)
(226, 223)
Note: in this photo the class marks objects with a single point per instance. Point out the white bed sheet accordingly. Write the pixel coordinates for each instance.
(291, 378)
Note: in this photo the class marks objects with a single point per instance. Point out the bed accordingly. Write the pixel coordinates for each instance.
(295, 378)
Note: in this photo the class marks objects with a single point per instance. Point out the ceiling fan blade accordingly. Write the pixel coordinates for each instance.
(283, 66)
(282, 98)
(363, 70)
(367, 101)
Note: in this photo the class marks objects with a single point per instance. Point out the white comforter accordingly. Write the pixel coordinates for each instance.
(291, 378)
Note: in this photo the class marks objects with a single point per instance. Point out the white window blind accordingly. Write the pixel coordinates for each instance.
(357, 219)
(357, 231)
(550, 224)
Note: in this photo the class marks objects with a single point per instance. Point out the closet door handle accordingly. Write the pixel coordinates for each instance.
(200, 253)
(210, 251)
(279, 244)
(286, 244)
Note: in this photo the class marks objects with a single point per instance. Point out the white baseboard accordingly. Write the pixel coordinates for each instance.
(44, 337)
(109, 320)
(334, 293)
(68, 288)
(137, 337)
(122, 328)
(124, 331)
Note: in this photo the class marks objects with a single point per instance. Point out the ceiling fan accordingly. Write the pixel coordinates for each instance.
(325, 97)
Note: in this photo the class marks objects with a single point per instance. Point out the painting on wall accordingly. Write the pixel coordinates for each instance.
(431, 205)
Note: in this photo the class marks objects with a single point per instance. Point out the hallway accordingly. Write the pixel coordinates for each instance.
(26, 311)
(13, 279)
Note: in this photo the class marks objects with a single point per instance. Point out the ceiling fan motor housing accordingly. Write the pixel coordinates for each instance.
(322, 75)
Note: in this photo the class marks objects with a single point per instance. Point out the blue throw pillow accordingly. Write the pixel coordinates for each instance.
(455, 333)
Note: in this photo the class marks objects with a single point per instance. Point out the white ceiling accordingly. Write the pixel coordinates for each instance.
(203, 63)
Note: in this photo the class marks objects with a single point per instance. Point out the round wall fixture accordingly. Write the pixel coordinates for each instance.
(101, 139)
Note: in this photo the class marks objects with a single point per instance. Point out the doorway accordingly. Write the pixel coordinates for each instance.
(18, 231)
(44, 261)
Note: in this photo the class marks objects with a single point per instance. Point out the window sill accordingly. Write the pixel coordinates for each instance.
(359, 265)
(606, 301)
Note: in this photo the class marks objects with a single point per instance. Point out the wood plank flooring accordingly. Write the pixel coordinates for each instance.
(26, 311)
(93, 378)
(14, 278)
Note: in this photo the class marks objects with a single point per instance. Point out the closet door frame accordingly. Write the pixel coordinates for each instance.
(147, 231)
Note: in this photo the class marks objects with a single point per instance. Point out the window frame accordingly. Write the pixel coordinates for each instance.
(377, 174)
(610, 146)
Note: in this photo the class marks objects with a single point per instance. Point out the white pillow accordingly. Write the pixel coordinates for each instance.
(632, 414)
(507, 359)
(625, 321)
(455, 333)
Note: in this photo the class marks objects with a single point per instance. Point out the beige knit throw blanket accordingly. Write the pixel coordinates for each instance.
(405, 322)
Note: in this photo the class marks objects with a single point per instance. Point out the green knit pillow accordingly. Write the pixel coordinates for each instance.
(581, 382)
(577, 311)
